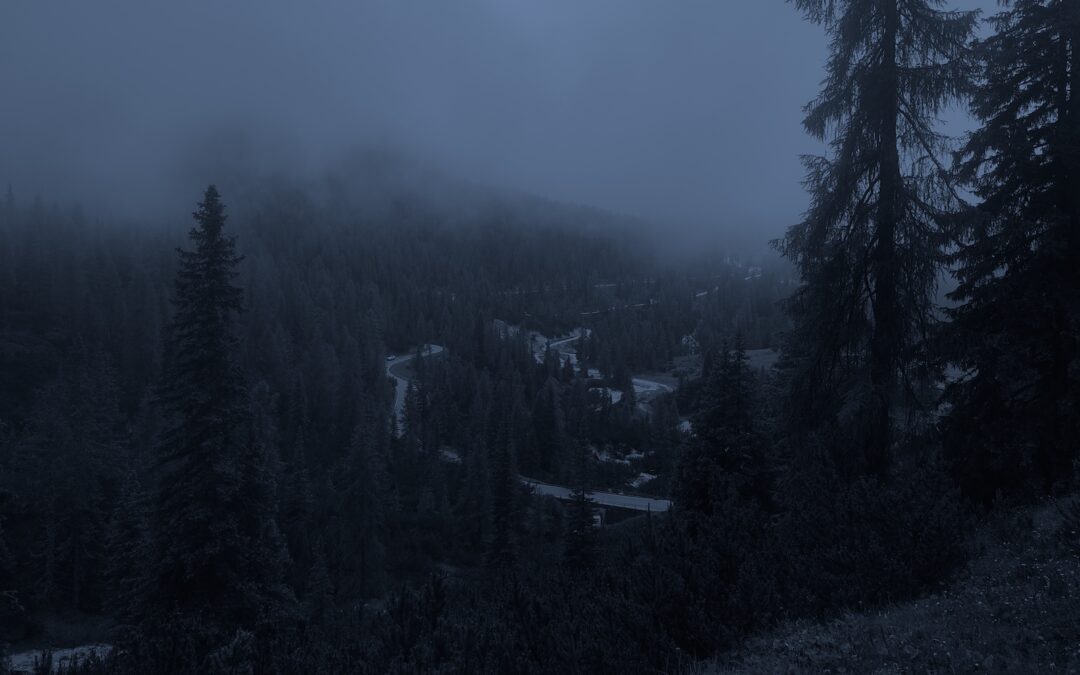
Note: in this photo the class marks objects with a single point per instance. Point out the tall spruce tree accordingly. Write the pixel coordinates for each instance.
(546, 435)
(125, 542)
(214, 510)
(579, 550)
(501, 551)
(360, 534)
(7, 563)
(725, 447)
(868, 248)
(297, 511)
(1016, 334)
(727, 399)
(473, 508)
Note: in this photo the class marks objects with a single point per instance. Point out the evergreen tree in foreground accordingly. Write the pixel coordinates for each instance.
(727, 399)
(501, 550)
(1016, 337)
(360, 537)
(216, 548)
(580, 548)
(125, 542)
(868, 249)
(725, 447)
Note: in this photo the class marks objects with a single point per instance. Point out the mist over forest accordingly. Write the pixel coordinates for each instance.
(497, 336)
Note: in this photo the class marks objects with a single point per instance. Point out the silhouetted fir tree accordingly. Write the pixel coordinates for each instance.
(146, 428)
(712, 417)
(549, 365)
(620, 375)
(724, 446)
(473, 509)
(629, 396)
(297, 511)
(697, 478)
(501, 550)
(582, 359)
(260, 467)
(100, 424)
(126, 542)
(1016, 333)
(663, 440)
(547, 430)
(736, 396)
(868, 249)
(412, 423)
(360, 546)
(480, 339)
(719, 396)
(577, 412)
(43, 557)
(81, 552)
(743, 442)
(7, 563)
(708, 362)
(319, 591)
(579, 550)
(567, 373)
(72, 430)
(206, 536)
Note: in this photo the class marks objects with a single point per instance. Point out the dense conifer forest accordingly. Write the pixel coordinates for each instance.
(317, 426)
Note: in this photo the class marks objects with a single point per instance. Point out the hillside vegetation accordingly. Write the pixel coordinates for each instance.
(1013, 609)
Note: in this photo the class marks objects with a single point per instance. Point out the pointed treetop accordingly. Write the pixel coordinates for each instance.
(210, 212)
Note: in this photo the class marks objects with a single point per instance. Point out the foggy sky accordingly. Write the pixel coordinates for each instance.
(685, 112)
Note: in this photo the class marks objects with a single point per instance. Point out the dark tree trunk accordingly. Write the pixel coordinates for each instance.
(1057, 464)
(883, 357)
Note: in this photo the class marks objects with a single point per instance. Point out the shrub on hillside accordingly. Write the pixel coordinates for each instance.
(847, 543)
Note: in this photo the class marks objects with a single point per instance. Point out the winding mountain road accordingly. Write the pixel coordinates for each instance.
(397, 368)
(400, 364)
(609, 499)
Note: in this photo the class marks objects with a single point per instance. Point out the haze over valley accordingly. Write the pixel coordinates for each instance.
(496, 336)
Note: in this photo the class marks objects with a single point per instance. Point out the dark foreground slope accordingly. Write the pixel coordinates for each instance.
(1015, 609)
